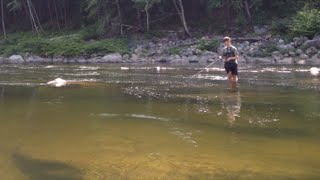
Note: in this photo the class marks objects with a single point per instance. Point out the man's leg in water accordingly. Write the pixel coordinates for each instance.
(230, 77)
(235, 78)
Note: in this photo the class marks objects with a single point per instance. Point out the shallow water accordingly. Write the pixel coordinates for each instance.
(137, 122)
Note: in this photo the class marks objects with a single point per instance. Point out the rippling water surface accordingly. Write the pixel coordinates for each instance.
(143, 122)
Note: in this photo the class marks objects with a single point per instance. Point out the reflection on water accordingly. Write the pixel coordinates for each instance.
(140, 123)
(231, 102)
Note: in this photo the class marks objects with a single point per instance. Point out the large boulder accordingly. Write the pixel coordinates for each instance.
(113, 58)
(311, 51)
(16, 59)
(286, 47)
(36, 59)
(260, 30)
(298, 41)
(312, 43)
(287, 60)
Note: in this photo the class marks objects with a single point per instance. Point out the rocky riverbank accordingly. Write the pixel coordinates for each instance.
(263, 48)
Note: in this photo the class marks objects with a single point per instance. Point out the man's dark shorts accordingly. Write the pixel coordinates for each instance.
(232, 67)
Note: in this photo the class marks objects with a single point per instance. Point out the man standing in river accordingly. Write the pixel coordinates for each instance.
(230, 56)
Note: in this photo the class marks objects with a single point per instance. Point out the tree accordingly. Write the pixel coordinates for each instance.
(180, 9)
(2, 20)
(145, 5)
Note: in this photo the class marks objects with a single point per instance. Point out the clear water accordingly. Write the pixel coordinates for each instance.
(140, 123)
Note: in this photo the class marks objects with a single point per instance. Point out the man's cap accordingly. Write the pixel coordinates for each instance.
(226, 39)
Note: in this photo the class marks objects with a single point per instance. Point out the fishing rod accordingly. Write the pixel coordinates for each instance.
(206, 67)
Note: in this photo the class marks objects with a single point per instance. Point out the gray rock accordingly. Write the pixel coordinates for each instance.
(260, 30)
(94, 60)
(315, 58)
(299, 52)
(301, 62)
(298, 41)
(286, 47)
(311, 51)
(16, 59)
(292, 54)
(81, 60)
(303, 56)
(197, 52)
(276, 53)
(193, 59)
(281, 41)
(186, 52)
(312, 43)
(316, 37)
(134, 57)
(220, 50)
(287, 60)
(113, 58)
(126, 57)
(36, 59)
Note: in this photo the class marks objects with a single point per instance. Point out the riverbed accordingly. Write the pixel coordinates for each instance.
(152, 121)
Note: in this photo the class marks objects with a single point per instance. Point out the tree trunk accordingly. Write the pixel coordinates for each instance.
(50, 13)
(119, 16)
(139, 19)
(228, 17)
(2, 19)
(56, 12)
(146, 8)
(32, 18)
(180, 11)
(248, 14)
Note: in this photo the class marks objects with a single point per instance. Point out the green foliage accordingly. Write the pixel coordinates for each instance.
(71, 46)
(174, 51)
(280, 26)
(306, 23)
(269, 49)
(94, 31)
(211, 45)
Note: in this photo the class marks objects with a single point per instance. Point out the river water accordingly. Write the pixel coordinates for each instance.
(139, 122)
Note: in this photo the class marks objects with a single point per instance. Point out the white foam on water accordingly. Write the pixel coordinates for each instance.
(49, 67)
(82, 74)
(124, 68)
(185, 136)
(284, 71)
(302, 70)
(21, 84)
(88, 68)
(214, 69)
(146, 117)
(108, 115)
(211, 77)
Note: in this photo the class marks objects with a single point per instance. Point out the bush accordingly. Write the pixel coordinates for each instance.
(211, 45)
(174, 51)
(67, 46)
(280, 26)
(306, 23)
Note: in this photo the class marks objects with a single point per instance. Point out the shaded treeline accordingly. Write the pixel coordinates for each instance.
(118, 17)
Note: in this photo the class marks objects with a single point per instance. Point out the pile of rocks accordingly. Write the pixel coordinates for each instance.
(268, 49)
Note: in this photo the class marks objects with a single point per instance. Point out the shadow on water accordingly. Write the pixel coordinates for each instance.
(38, 169)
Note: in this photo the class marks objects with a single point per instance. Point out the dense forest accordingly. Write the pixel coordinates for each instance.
(105, 19)
(118, 17)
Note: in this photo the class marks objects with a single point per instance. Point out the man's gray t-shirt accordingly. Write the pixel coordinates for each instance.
(230, 52)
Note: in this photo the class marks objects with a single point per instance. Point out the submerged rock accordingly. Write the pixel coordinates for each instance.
(314, 71)
(57, 82)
